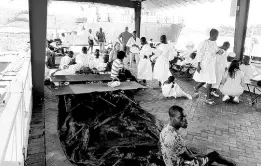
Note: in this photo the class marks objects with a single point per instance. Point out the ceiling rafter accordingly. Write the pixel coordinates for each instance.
(183, 2)
(147, 4)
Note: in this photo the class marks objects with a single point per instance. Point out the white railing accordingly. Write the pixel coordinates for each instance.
(15, 118)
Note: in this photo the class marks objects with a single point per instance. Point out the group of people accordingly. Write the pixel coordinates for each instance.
(215, 68)
(218, 70)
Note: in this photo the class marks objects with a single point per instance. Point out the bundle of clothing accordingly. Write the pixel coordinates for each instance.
(108, 129)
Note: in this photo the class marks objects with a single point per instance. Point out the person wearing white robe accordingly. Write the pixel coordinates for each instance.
(66, 60)
(161, 67)
(144, 68)
(84, 58)
(221, 66)
(133, 44)
(206, 58)
(248, 69)
(96, 60)
(171, 89)
(233, 82)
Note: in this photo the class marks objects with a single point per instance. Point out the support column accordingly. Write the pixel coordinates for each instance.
(37, 22)
(241, 27)
(137, 6)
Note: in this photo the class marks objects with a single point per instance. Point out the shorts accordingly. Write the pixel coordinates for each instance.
(91, 42)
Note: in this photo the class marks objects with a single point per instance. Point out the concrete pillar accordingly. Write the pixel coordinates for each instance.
(137, 7)
(241, 27)
(37, 22)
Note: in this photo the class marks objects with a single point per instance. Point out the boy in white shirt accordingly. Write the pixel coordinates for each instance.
(66, 60)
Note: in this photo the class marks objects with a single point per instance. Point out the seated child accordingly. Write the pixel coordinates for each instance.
(233, 82)
(171, 89)
(248, 69)
(101, 67)
(66, 60)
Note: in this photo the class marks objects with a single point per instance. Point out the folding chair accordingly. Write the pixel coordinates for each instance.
(254, 87)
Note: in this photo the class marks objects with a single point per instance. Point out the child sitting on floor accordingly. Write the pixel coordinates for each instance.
(102, 65)
(171, 89)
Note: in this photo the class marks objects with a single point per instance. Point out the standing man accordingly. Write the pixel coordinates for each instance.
(90, 40)
(134, 47)
(206, 58)
(101, 38)
(173, 148)
(123, 39)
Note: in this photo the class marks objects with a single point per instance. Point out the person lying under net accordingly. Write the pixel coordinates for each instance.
(173, 148)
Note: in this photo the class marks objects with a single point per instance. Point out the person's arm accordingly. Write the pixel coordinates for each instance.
(110, 56)
(104, 35)
(242, 77)
(187, 155)
(200, 53)
(224, 78)
(119, 38)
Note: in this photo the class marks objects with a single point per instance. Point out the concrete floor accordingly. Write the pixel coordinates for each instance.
(234, 130)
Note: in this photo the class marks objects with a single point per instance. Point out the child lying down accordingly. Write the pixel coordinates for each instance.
(171, 89)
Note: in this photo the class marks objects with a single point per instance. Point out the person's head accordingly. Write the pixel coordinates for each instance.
(143, 41)
(126, 29)
(90, 30)
(70, 54)
(171, 79)
(117, 46)
(213, 34)
(231, 56)
(163, 39)
(193, 55)
(63, 35)
(246, 60)
(106, 59)
(225, 46)
(101, 30)
(151, 40)
(234, 66)
(177, 117)
(134, 33)
(121, 55)
(96, 53)
(84, 50)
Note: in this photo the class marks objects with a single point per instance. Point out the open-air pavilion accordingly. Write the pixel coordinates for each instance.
(38, 28)
(38, 22)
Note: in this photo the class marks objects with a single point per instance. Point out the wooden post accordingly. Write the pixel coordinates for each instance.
(137, 6)
(241, 27)
(37, 22)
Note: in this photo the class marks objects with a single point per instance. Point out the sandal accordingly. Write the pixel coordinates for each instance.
(210, 102)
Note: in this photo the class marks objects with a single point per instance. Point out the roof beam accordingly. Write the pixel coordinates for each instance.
(121, 3)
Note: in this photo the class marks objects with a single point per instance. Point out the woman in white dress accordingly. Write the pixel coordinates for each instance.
(206, 58)
(133, 43)
(233, 82)
(161, 67)
(221, 67)
(144, 68)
